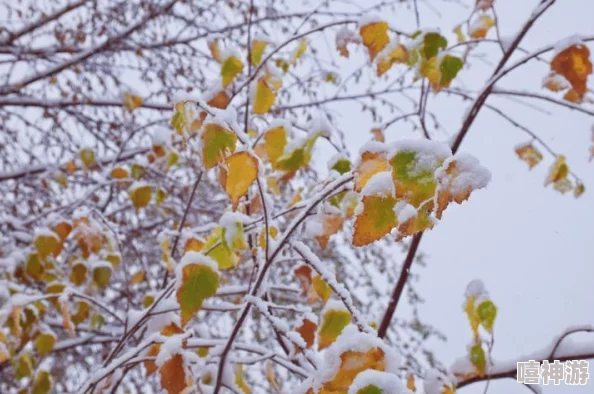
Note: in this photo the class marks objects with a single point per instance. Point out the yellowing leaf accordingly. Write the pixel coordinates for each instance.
(375, 37)
(217, 143)
(264, 97)
(574, 64)
(558, 171)
(299, 51)
(87, 156)
(298, 157)
(398, 54)
(78, 273)
(43, 383)
(132, 101)
(459, 34)
(257, 50)
(215, 51)
(529, 154)
(275, 141)
(410, 383)
(242, 171)
(217, 249)
(239, 380)
(197, 280)
(320, 288)
(47, 243)
(193, 245)
(370, 164)
(331, 224)
(173, 375)
(44, 343)
(63, 229)
(24, 366)
(375, 220)
(487, 312)
(34, 267)
(140, 194)
(333, 322)
(351, 364)
(457, 179)
(480, 27)
(579, 189)
(231, 67)
(102, 275)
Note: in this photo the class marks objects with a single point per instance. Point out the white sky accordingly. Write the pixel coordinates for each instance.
(530, 245)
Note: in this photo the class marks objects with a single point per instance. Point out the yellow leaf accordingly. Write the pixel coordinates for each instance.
(480, 27)
(87, 157)
(257, 51)
(264, 97)
(558, 171)
(375, 37)
(239, 380)
(44, 343)
(47, 243)
(555, 82)
(24, 366)
(132, 101)
(43, 383)
(397, 54)
(275, 141)
(242, 171)
(410, 383)
(351, 364)
(193, 245)
(78, 274)
(529, 154)
(574, 64)
(217, 143)
(321, 288)
(197, 279)
(137, 277)
(140, 194)
(102, 275)
(459, 34)
(334, 319)
(231, 67)
(579, 189)
(215, 51)
(370, 164)
(299, 51)
(217, 249)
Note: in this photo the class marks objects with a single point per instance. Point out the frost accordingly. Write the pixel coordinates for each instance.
(387, 382)
(169, 348)
(229, 221)
(469, 174)
(567, 42)
(369, 18)
(380, 184)
(230, 51)
(194, 258)
(404, 211)
(336, 158)
(320, 124)
(429, 154)
(475, 288)
(373, 147)
(435, 380)
(162, 136)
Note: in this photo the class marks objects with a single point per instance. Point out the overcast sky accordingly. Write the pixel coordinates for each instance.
(530, 245)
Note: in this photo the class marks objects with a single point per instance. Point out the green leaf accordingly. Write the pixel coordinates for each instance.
(44, 343)
(371, 389)
(42, 383)
(197, 280)
(342, 166)
(217, 142)
(449, 67)
(432, 42)
(487, 311)
(477, 357)
(333, 322)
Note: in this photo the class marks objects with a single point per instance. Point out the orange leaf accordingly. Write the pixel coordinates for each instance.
(574, 64)
(173, 375)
